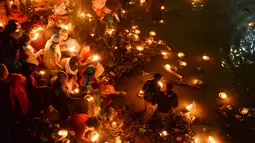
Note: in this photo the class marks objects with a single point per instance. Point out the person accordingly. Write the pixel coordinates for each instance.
(35, 22)
(51, 28)
(157, 14)
(30, 57)
(14, 102)
(80, 124)
(15, 14)
(60, 97)
(152, 89)
(167, 100)
(52, 54)
(68, 43)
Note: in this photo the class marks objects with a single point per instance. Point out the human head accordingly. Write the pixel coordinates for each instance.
(157, 76)
(25, 40)
(91, 70)
(93, 122)
(12, 26)
(169, 87)
(56, 39)
(3, 72)
(36, 19)
(63, 34)
(51, 22)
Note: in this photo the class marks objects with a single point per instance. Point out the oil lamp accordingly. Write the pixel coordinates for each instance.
(95, 58)
(94, 136)
(89, 98)
(62, 133)
(181, 55)
(184, 64)
(244, 111)
(152, 33)
(211, 139)
(206, 58)
(162, 8)
(42, 72)
(223, 95)
(141, 93)
(163, 133)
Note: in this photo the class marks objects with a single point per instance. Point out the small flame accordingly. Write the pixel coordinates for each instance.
(137, 31)
(152, 33)
(164, 53)
(123, 11)
(76, 90)
(168, 67)
(162, 7)
(95, 58)
(82, 15)
(62, 133)
(181, 55)
(196, 140)
(114, 124)
(160, 84)
(206, 58)
(211, 139)
(164, 133)
(35, 36)
(1, 24)
(184, 64)
(189, 107)
(89, 15)
(89, 98)
(95, 136)
(251, 24)
(142, 1)
(42, 72)
(92, 34)
(223, 95)
(72, 48)
(161, 21)
(244, 111)
(139, 48)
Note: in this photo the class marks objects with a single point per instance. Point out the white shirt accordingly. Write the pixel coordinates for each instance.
(32, 57)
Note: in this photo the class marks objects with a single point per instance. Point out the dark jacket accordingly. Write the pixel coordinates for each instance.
(151, 90)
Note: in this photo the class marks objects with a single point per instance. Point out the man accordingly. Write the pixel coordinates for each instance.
(167, 100)
(51, 28)
(80, 124)
(52, 54)
(151, 88)
(156, 10)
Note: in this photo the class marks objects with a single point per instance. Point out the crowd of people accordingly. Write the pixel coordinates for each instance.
(44, 68)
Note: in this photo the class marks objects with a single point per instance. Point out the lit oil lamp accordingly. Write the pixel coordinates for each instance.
(123, 11)
(94, 136)
(164, 133)
(142, 2)
(223, 95)
(206, 58)
(131, 3)
(82, 15)
(149, 41)
(211, 139)
(152, 33)
(165, 55)
(244, 111)
(95, 58)
(134, 27)
(196, 82)
(161, 21)
(42, 72)
(167, 67)
(141, 93)
(162, 8)
(139, 48)
(196, 140)
(114, 124)
(181, 55)
(1, 24)
(189, 107)
(11, 2)
(76, 90)
(251, 24)
(72, 49)
(35, 36)
(182, 63)
(92, 34)
(160, 83)
(89, 98)
(115, 47)
(63, 133)
(137, 31)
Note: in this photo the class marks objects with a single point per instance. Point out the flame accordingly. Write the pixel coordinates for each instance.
(95, 58)
(162, 7)
(62, 133)
(76, 90)
(163, 133)
(89, 98)
(251, 24)
(181, 55)
(82, 15)
(95, 136)
(211, 139)
(123, 11)
(139, 48)
(160, 84)
(152, 33)
(244, 111)
(164, 53)
(206, 58)
(35, 36)
(137, 31)
(114, 123)
(168, 67)
(1, 24)
(189, 107)
(223, 95)
(196, 140)
(142, 1)
(92, 34)
(161, 21)
(89, 15)
(72, 48)
(42, 72)
(184, 64)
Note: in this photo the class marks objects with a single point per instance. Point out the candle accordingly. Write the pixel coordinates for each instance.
(206, 58)
(139, 48)
(89, 98)
(94, 136)
(181, 55)
(76, 90)
(152, 33)
(222, 95)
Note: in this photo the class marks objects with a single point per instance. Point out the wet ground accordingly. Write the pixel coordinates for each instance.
(198, 32)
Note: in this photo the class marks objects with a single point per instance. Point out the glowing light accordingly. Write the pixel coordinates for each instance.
(76, 90)
(162, 8)
(160, 84)
(11, 2)
(35, 36)
(163, 133)
(1, 24)
(152, 33)
(114, 124)
(134, 27)
(72, 48)
(92, 35)
(181, 55)
(123, 11)
(82, 15)
(139, 48)
(164, 53)
(161, 21)
(141, 93)
(62, 133)
(142, 1)
(223, 95)
(137, 31)
(89, 15)
(42, 72)
(184, 64)
(89, 98)
(251, 24)
(95, 58)
(196, 140)
(149, 41)
(206, 58)
(244, 111)
(189, 107)
(110, 31)
(35, 30)
(211, 139)
(95, 136)
(168, 67)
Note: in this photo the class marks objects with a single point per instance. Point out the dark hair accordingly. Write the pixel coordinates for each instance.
(24, 38)
(93, 122)
(169, 86)
(157, 76)
(36, 17)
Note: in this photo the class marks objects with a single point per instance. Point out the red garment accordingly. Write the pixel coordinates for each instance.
(13, 96)
(77, 123)
(21, 18)
(84, 56)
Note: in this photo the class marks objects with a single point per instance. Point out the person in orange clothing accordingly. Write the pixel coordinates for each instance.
(80, 124)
